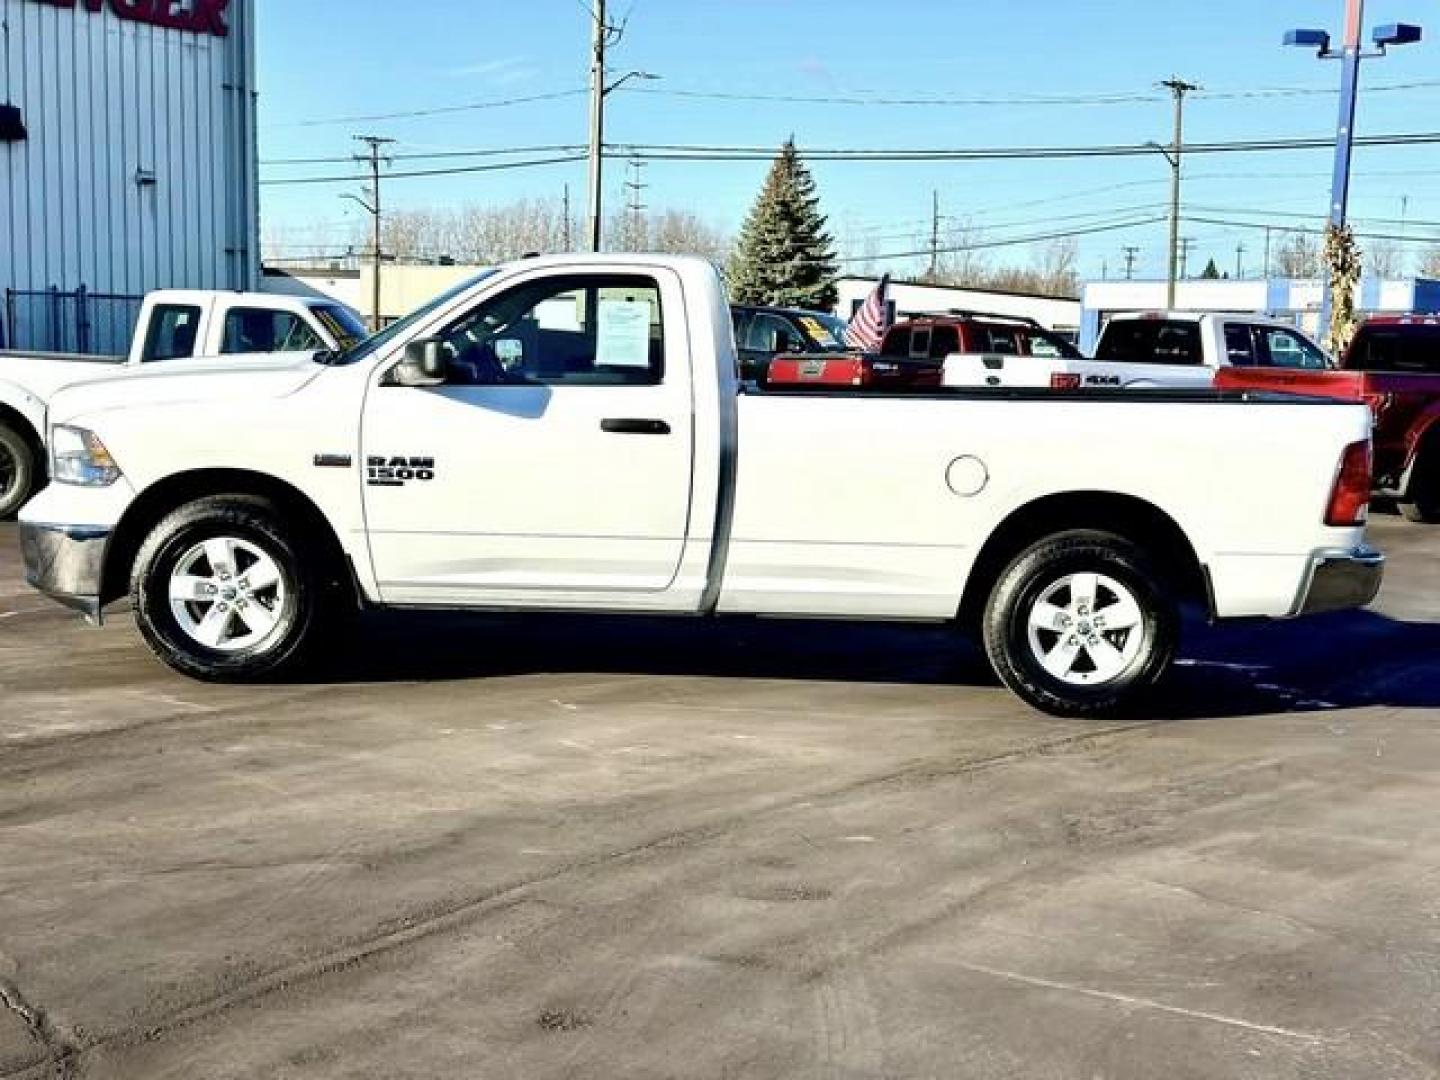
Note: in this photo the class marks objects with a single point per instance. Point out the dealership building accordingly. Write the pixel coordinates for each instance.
(127, 162)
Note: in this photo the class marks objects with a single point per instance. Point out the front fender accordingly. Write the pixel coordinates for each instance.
(30, 408)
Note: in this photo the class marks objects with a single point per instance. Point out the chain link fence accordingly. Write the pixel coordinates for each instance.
(53, 320)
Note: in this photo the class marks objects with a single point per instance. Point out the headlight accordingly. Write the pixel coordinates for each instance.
(77, 456)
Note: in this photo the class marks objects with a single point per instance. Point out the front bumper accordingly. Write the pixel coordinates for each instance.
(66, 563)
(1341, 579)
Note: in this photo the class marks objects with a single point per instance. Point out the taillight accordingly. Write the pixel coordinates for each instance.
(1064, 380)
(1350, 497)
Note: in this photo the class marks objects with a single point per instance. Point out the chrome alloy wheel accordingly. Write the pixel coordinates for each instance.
(229, 596)
(1086, 629)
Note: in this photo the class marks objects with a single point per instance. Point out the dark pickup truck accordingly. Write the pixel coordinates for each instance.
(1393, 365)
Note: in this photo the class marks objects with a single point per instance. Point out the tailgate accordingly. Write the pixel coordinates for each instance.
(1000, 370)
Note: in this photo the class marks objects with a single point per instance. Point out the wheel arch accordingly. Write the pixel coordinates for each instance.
(1129, 516)
(14, 418)
(173, 492)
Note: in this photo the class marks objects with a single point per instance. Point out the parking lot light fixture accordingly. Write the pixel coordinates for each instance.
(1350, 55)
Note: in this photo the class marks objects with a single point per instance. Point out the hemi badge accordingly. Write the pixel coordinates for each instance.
(333, 461)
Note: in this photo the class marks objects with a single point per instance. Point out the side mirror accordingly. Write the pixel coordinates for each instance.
(424, 364)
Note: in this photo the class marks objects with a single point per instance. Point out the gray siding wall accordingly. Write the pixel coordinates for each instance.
(107, 101)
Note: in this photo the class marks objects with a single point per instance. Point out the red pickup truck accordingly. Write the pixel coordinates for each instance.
(914, 352)
(1393, 365)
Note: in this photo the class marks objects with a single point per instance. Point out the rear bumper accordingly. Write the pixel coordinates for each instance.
(66, 563)
(1341, 579)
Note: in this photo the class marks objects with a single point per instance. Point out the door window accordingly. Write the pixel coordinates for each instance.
(264, 330)
(172, 333)
(1287, 349)
(1239, 345)
(1150, 341)
(583, 330)
(1004, 340)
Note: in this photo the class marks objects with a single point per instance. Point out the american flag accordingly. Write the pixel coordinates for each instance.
(870, 322)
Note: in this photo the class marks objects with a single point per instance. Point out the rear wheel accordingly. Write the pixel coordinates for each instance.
(223, 591)
(19, 471)
(1081, 624)
(1422, 502)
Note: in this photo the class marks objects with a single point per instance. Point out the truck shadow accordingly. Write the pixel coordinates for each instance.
(1339, 661)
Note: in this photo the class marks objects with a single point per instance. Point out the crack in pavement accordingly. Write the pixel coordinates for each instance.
(58, 1051)
(444, 917)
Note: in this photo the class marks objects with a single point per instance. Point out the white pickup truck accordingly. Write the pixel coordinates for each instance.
(173, 324)
(1144, 350)
(569, 433)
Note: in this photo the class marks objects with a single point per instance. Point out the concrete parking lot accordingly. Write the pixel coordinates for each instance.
(587, 848)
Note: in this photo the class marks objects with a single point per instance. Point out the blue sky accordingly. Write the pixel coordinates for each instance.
(323, 60)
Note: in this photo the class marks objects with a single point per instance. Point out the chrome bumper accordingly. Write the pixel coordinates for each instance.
(66, 563)
(1342, 579)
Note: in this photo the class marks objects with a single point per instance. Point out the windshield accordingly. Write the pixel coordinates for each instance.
(375, 342)
(826, 332)
(344, 325)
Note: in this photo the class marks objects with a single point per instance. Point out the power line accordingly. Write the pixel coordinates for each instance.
(440, 110)
(438, 155)
(708, 152)
(716, 153)
(427, 172)
(876, 98)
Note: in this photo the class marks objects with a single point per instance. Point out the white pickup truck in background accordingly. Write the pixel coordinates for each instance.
(569, 433)
(173, 324)
(1151, 349)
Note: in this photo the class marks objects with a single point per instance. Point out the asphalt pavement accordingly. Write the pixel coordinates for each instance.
(580, 847)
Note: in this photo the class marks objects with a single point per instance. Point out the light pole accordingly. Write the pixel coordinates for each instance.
(1350, 56)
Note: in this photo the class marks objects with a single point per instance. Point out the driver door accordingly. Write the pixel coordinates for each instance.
(555, 460)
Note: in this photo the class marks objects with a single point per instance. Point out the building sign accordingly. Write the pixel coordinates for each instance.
(196, 16)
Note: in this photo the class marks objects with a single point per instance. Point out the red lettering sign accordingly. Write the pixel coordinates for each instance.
(194, 16)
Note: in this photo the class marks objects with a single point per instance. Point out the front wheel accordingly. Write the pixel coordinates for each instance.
(19, 471)
(222, 592)
(1080, 624)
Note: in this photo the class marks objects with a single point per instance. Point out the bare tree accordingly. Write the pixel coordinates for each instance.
(1385, 259)
(1430, 263)
(1298, 255)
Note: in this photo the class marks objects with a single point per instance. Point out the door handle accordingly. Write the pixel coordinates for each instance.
(621, 426)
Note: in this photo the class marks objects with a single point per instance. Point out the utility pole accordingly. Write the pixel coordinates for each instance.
(934, 234)
(566, 238)
(636, 186)
(1266, 273)
(1130, 252)
(603, 35)
(374, 157)
(1240, 261)
(1179, 88)
(600, 38)
(1184, 246)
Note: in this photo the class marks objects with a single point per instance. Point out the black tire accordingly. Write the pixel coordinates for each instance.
(1422, 501)
(257, 525)
(1035, 575)
(21, 472)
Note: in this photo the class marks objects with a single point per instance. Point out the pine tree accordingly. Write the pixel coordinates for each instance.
(785, 257)
(1212, 272)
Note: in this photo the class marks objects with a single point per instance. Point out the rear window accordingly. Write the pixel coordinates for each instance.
(1396, 348)
(1151, 341)
(172, 333)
